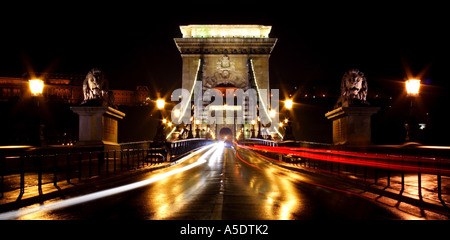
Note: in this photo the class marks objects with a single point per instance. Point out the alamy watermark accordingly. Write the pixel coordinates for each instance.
(237, 106)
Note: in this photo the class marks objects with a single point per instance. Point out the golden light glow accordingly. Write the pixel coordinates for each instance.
(412, 87)
(225, 31)
(272, 113)
(288, 103)
(177, 112)
(225, 107)
(36, 86)
(160, 103)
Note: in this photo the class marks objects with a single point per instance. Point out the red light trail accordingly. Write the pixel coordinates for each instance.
(306, 182)
(384, 161)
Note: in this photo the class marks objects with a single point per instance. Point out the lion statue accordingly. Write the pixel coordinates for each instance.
(96, 91)
(353, 89)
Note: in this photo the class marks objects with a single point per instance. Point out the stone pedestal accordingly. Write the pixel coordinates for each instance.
(98, 126)
(352, 125)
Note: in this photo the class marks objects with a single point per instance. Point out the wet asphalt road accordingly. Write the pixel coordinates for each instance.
(220, 184)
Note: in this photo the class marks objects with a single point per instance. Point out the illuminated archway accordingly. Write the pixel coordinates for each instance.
(225, 133)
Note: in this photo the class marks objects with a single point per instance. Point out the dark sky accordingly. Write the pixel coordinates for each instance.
(133, 43)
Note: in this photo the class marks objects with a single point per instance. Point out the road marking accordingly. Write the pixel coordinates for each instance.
(218, 205)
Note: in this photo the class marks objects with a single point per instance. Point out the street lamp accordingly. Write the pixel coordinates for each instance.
(288, 104)
(259, 129)
(412, 87)
(412, 127)
(177, 113)
(253, 122)
(160, 136)
(36, 89)
(288, 135)
(36, 86)
(197, 129)
(160, 103)
(272, 113)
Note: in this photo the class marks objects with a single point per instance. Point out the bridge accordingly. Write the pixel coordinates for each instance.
(203, 179)
(225, 67)
(227, 157)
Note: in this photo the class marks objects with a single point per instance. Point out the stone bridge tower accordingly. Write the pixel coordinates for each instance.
(226, 58)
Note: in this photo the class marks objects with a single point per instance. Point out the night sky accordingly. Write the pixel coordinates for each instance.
(133, 44)
(317, 42)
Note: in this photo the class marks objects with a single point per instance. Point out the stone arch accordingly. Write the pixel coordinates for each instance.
(225, 133)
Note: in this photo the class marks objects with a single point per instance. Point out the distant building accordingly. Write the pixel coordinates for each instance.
(66, 88)
(24, 116)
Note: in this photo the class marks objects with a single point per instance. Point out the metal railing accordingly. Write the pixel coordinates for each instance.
(20, 170)
(366, 166)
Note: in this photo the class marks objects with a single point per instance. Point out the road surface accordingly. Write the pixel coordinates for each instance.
(216, 183)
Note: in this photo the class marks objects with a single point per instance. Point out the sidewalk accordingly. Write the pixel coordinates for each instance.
(14, 198)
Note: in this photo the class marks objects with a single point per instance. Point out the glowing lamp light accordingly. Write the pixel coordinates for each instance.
(177, 113)
(160, 103)
(412, 87)
(288, 103)
(36, 86)
(272, 113)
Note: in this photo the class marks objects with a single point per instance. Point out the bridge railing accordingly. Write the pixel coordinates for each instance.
(259, 141)
(368, 166)
(32, 169)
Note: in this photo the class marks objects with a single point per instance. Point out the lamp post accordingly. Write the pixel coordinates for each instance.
(259, 129)
(36, 89)
(288, 135)
(197, 129)
(412, 126)
(288, 104)
(159, 137)
(253, 128)
(160, 104)
(36, 86)
(176, 113)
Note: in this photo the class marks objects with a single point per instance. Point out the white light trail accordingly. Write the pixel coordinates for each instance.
(105, 193)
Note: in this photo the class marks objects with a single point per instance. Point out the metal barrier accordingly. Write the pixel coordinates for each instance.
(362, 165)
(259, 141)
(24, 169)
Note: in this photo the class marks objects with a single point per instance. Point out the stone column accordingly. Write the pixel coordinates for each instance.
(352, 125)
(98, 126)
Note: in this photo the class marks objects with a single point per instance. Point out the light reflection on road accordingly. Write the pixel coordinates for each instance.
(106, 193)
(218, 183)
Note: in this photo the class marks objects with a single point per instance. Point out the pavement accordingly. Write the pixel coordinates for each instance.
(423, 204)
